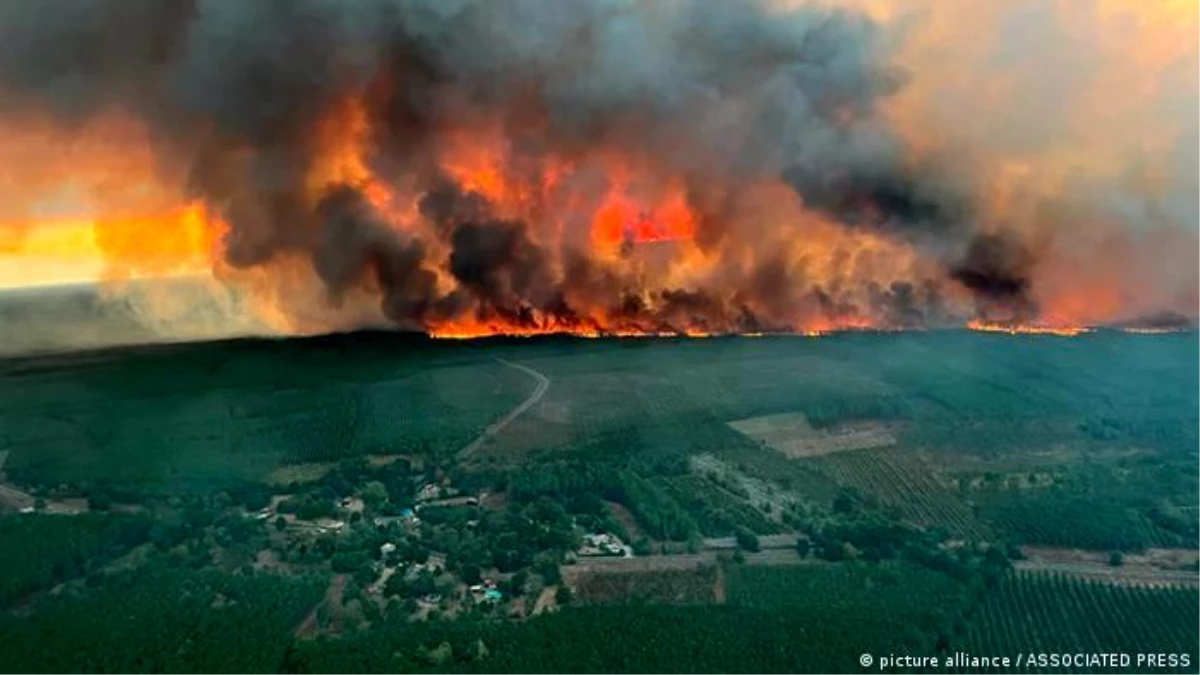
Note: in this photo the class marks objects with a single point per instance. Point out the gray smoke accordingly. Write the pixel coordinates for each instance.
(721, 94)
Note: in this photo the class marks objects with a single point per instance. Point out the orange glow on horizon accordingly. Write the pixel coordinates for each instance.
(1027, 329)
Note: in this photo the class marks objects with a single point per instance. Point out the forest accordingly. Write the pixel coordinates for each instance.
(315, 494)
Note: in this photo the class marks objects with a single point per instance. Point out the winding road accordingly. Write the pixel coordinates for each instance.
(543, 383)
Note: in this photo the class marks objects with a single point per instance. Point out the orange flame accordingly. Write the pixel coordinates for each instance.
(97, 203)
(1023, 329)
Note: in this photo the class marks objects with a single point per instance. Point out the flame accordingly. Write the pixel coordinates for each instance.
(343, 138)
(1024, 329)
(101, 203)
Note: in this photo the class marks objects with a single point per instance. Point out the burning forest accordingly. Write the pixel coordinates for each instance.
(612, 167)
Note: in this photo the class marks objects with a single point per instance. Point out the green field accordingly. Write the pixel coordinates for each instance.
(1038, 613)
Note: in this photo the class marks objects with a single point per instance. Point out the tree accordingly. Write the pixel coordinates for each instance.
(470, 574)
(803, 546)
(746, 539)
(516, 585)
(99, 501)
(256, 499)
(843, 503)
(1116, 559)
(563, 596)
(374, 495)
(280, 524)
(550, 572)
(314, 507)
(364, 574)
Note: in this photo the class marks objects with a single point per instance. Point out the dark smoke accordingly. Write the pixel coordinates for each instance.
(997, 268)
(720, 94)
(357, 246)
(497, 261)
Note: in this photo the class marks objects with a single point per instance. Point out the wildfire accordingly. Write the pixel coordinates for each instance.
(1027, 329)
(485, 187)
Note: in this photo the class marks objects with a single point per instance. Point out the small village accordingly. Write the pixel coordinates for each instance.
(443, 552)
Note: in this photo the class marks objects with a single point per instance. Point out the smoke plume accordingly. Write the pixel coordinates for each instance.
(611, 166)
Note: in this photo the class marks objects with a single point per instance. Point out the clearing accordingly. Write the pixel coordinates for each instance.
(681, 585)
(791, 434)
(756, 492)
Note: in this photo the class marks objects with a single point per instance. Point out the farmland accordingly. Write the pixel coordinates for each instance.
(910, 486)
(890, 608)
(789, 502)
(1041, 613)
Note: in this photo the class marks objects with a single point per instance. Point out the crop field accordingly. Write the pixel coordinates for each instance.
(1041, 613)
(912, 487)
(1078, 521)
(892, 608)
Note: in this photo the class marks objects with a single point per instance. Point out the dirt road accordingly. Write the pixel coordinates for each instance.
(543, 383)
(15, 499)
(765, 542)
(682, 561)
(1155, 567)
(333, 600)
